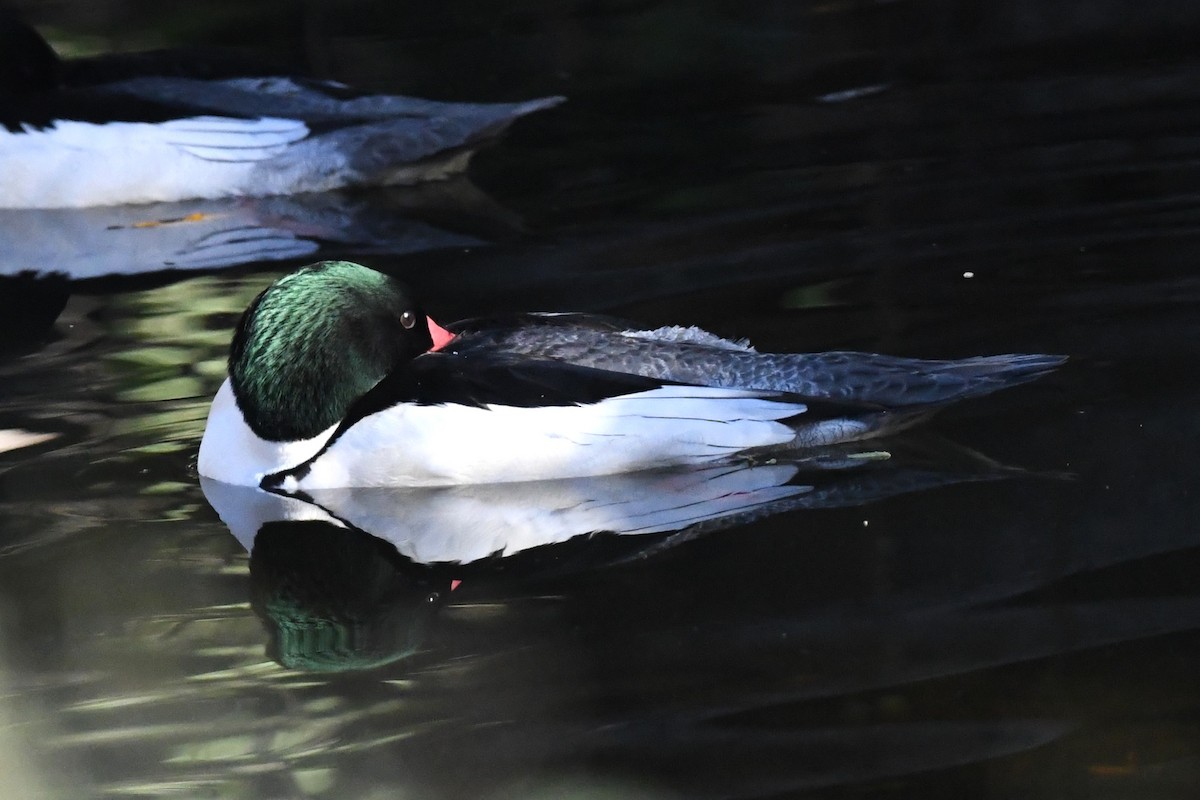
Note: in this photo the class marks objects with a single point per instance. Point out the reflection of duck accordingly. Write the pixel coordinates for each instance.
(87, 243)
(349, 578)
(473, 523)
(352, 582)
(332, 384)
(333, 599)
(464, 524)
(132, 130)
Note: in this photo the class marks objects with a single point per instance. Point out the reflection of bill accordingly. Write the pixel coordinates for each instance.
(212, 234)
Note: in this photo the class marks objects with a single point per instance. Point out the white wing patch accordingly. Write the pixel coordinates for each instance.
(230, 139)
(409, 445)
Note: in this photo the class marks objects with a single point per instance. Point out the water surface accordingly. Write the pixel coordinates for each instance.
(905, 177)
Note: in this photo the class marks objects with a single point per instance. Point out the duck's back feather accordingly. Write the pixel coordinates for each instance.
(666, 354)
(503, 379)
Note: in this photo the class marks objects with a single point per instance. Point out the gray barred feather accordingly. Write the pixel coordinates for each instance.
(867, 378)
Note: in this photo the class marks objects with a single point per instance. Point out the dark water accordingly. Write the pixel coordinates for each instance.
(918, 178)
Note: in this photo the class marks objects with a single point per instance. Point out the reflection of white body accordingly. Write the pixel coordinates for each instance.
(128, 240)
(466, 523)
(206, 234)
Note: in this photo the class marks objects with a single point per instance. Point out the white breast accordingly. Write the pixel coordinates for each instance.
(232, 453)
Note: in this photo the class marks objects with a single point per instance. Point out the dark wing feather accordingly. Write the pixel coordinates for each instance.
(495, 379)
(507, 379)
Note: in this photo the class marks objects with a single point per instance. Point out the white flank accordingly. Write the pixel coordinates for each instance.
(232, 453)
(79, 164)
(409, 445)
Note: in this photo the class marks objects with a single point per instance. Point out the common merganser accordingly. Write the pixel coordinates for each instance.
(337, 378)
(148, 131)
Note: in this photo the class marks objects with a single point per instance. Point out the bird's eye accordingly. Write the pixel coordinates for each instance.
(408, 319)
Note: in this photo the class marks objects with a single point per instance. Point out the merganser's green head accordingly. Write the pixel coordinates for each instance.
(315, 341)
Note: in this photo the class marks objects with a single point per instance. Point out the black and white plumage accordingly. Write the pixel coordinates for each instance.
(337, 378)
(147, 129)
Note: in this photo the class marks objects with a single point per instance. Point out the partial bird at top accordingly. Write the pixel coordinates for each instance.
(83, 133)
